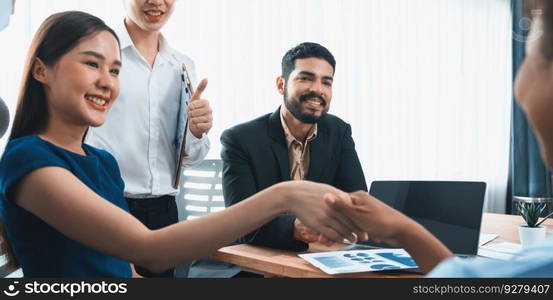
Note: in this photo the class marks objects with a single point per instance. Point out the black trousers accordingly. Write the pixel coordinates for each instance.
(155, 213)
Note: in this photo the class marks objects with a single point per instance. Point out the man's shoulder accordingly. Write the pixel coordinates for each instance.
(332, 119)
(332, 123)
(179, 57)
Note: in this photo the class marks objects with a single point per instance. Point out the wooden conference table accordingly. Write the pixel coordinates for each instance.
(281, 263)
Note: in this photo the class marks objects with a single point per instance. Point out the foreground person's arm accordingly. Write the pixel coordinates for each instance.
(385, 224)
(60, 199)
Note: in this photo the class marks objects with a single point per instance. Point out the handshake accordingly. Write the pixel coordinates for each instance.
(328, 215)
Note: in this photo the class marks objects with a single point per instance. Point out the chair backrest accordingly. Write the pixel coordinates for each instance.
(201, 191)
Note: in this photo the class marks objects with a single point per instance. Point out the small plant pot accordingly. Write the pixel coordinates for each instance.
(530, 236)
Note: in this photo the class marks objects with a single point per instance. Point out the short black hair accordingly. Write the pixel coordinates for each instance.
(305, 50)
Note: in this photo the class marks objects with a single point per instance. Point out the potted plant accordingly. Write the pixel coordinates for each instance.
(532, 233)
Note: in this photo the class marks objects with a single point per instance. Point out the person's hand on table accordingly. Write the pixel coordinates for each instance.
(306, 235)
(311, 203)
(381, 222)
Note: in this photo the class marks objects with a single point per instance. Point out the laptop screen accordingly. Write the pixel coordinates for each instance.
(451, 210)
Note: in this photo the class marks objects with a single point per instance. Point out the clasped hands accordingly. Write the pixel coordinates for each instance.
(367, 217)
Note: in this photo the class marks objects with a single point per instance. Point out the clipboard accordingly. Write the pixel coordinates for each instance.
(186, 95)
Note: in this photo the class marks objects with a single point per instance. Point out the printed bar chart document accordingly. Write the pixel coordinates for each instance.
(354, 261)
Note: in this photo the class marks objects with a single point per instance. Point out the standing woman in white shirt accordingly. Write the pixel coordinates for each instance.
(142, 129)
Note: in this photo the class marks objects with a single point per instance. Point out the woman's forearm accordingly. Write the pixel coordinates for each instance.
(189, 240)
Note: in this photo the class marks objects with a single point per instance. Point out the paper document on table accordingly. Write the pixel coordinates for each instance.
(486, 238)
(503, 251)
(354, 261)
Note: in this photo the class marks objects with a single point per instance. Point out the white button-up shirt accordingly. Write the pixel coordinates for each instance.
(141, 127)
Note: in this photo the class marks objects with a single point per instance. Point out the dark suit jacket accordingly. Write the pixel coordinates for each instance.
(255, 157)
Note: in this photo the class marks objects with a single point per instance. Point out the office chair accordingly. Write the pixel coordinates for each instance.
(201, 193)
(201, 190)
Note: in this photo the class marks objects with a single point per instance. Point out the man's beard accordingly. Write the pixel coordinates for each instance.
(295, 108)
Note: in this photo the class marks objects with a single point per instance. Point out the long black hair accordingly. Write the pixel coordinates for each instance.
(57, 35)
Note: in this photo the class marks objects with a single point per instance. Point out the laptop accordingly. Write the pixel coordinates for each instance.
(451, 210)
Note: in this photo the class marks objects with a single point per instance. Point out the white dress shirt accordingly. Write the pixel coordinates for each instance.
(141, 127)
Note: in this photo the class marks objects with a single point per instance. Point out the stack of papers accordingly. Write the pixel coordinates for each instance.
(354, 261)
(503, 251)
(486, 238)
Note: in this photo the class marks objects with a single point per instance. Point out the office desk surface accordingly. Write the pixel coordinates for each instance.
(273, 262)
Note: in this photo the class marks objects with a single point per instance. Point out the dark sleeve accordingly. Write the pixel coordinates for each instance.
(19, 162)
(349, 175)
(239, 184)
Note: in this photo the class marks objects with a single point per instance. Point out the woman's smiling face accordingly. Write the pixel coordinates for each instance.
(82, 86)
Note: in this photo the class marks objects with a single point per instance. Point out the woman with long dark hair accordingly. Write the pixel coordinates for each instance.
(62, 201)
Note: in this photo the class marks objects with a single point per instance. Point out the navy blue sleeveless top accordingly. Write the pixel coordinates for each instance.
(41, 250)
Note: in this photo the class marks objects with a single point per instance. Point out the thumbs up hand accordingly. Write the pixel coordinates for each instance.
(200, 118)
